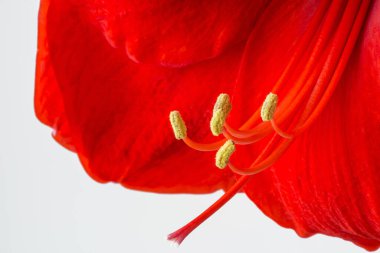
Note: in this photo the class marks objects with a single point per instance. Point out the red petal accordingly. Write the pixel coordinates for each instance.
(117, 111)
(114, 111)
(174, 33)
(48, 101)
(329, 180)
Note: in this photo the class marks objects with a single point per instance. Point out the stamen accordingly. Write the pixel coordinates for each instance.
(224, 153)
(313, 75)
(178, 125)
(247, 136)
(269, 107)
(180, 133)
(221, 110)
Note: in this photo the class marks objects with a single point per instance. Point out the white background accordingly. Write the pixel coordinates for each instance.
(48, 203)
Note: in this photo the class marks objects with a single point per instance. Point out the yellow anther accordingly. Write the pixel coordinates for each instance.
(224, 153)
(269, 107)
(178, 125)
(221, 110)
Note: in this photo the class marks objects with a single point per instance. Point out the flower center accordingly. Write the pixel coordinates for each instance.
(314, 70)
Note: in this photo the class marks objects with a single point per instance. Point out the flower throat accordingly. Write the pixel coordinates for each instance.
(323, 52)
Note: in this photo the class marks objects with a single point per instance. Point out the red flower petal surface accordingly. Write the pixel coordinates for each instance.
(108, 74)
(174, 33)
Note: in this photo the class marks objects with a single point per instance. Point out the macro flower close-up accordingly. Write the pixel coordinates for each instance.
(278, 100)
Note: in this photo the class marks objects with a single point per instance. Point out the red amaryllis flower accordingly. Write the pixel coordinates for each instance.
(110, 72)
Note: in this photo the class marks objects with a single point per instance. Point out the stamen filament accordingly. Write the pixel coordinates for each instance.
(279, 131)
(262, 129)
(336, 50)
(269, 161)
(343, 60)
(310, 71)
(304, 44)
(203, 146)
(236, 133)
(243, 141)
(327, 26)
(294, 99)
